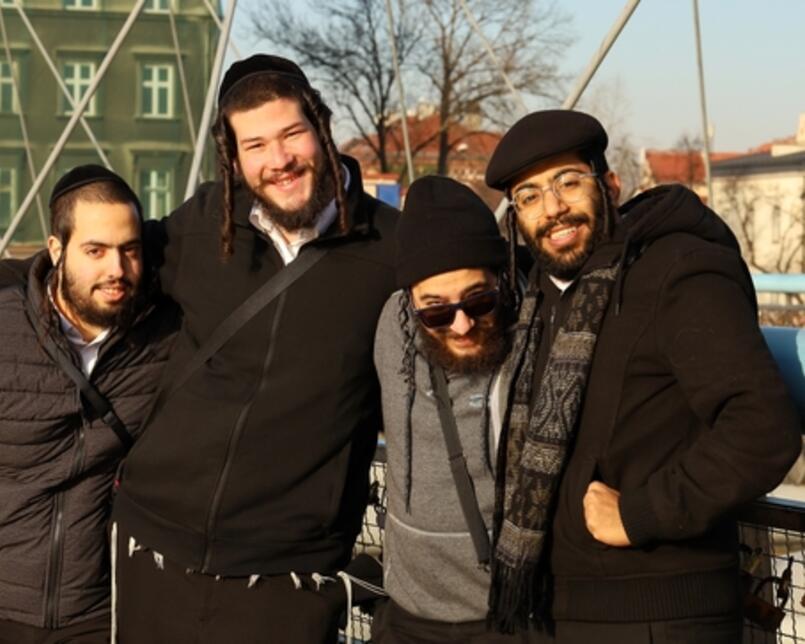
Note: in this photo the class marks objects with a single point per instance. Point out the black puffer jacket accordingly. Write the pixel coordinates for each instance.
(57, 461)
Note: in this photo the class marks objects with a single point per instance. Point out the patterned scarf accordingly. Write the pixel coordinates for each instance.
(538, 442)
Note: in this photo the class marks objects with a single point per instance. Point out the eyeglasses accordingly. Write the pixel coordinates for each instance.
(567, 187)
(473, 306)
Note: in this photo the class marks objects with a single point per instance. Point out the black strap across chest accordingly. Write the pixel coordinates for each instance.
(458, 468)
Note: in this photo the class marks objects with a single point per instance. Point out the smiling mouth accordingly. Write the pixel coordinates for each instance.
(561, 232)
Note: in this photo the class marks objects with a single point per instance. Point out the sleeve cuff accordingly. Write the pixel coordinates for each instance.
(638, 517)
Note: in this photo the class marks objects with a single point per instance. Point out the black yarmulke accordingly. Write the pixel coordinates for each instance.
(444, 227)
(83, 175)
(260, 64)
(540, 135)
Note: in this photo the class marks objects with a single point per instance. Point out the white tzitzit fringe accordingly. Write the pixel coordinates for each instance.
(347, 579)
(113, 555)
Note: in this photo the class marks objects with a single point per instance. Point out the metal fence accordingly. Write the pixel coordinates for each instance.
(772, 535)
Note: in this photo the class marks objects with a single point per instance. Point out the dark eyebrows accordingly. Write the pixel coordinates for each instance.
(285, 130)
(530, 184)
(479, 286)
(99, 244)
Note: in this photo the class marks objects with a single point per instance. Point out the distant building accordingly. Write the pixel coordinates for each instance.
(762, 196)
(471, 150)
(677, 166)
(139, 113)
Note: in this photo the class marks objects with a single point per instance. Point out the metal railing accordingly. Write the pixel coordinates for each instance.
(772, 534)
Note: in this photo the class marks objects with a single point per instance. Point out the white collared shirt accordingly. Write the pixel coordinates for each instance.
(289, 250)
(87, 351)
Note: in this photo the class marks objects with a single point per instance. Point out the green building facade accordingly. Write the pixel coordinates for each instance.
(139, 114)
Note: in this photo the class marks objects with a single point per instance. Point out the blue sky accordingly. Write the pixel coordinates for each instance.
(754, 58)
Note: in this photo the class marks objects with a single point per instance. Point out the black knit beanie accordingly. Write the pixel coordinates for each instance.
(444, 227)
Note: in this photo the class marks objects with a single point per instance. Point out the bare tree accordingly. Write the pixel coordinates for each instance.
(608, 103)
(693, 148)
(770, 234)
(527, 39)
(346, 44)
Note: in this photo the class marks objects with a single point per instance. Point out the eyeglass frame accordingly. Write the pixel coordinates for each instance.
(455, 307)
(551, 187)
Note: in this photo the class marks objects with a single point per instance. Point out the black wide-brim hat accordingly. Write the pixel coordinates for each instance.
(539, 136)
(84, 175)
(445, 227)
(257, 65)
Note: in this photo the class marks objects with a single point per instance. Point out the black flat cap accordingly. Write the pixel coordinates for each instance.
(83, 175)
(541, 135)
(445, 226)
(260, 64)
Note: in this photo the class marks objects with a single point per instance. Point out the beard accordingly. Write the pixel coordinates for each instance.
(83, 307)
(565, 265)
(490, 336)
(305, 216)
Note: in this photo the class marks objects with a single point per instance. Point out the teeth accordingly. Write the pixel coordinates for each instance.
(562, 233)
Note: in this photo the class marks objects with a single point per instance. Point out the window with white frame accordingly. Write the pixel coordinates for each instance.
(776, 224)
(157, 90)
(78, 77)
(156, 190)
(9, 3)
(8, 195)
(81, 5)
(8, 97)
(157, 6)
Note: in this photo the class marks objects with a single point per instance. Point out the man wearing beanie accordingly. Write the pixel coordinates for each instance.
(645, 406)
(75, 324)
(252, 483)
(449, 321)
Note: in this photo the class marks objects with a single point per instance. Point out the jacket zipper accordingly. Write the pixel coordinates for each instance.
(234, 439)
(53, 581)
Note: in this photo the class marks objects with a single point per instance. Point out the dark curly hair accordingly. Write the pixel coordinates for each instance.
(249, 94)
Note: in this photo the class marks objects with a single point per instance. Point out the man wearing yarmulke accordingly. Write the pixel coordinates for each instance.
(241, 507)
(81, 307)
(645, 406)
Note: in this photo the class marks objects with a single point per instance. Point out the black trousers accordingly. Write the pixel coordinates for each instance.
(92, 631)
(169, 605)
(394, 625)
(699, 630)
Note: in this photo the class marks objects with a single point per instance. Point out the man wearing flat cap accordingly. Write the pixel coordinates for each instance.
(241, 507)
(645, 405)
(81, 307)
(440, 342)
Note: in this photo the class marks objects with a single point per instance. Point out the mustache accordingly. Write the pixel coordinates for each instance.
(114, 283)
(296, 170)
(569, 219)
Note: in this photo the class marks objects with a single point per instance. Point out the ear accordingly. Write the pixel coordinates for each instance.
(613, 183)
(55, 249)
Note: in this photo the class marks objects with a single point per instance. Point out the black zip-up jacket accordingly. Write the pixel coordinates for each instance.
(259, 463)
(684, 413)
(57, 459)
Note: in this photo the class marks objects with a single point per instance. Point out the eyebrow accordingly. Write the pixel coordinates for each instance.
(285, 130)
(92, 242)
(530, 184)
(485, 286)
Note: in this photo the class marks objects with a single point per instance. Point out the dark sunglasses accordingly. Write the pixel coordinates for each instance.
(473, 306)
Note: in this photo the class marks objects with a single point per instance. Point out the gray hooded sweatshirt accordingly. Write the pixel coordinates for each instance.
(430, 566)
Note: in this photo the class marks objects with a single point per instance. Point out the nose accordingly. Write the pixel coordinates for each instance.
(116, 264)
(552, 204)
(462, 323)
(278, 157)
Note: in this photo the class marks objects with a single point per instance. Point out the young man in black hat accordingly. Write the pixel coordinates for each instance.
(81, 302)
(254, 477)
(451, 317)
(645, 407)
